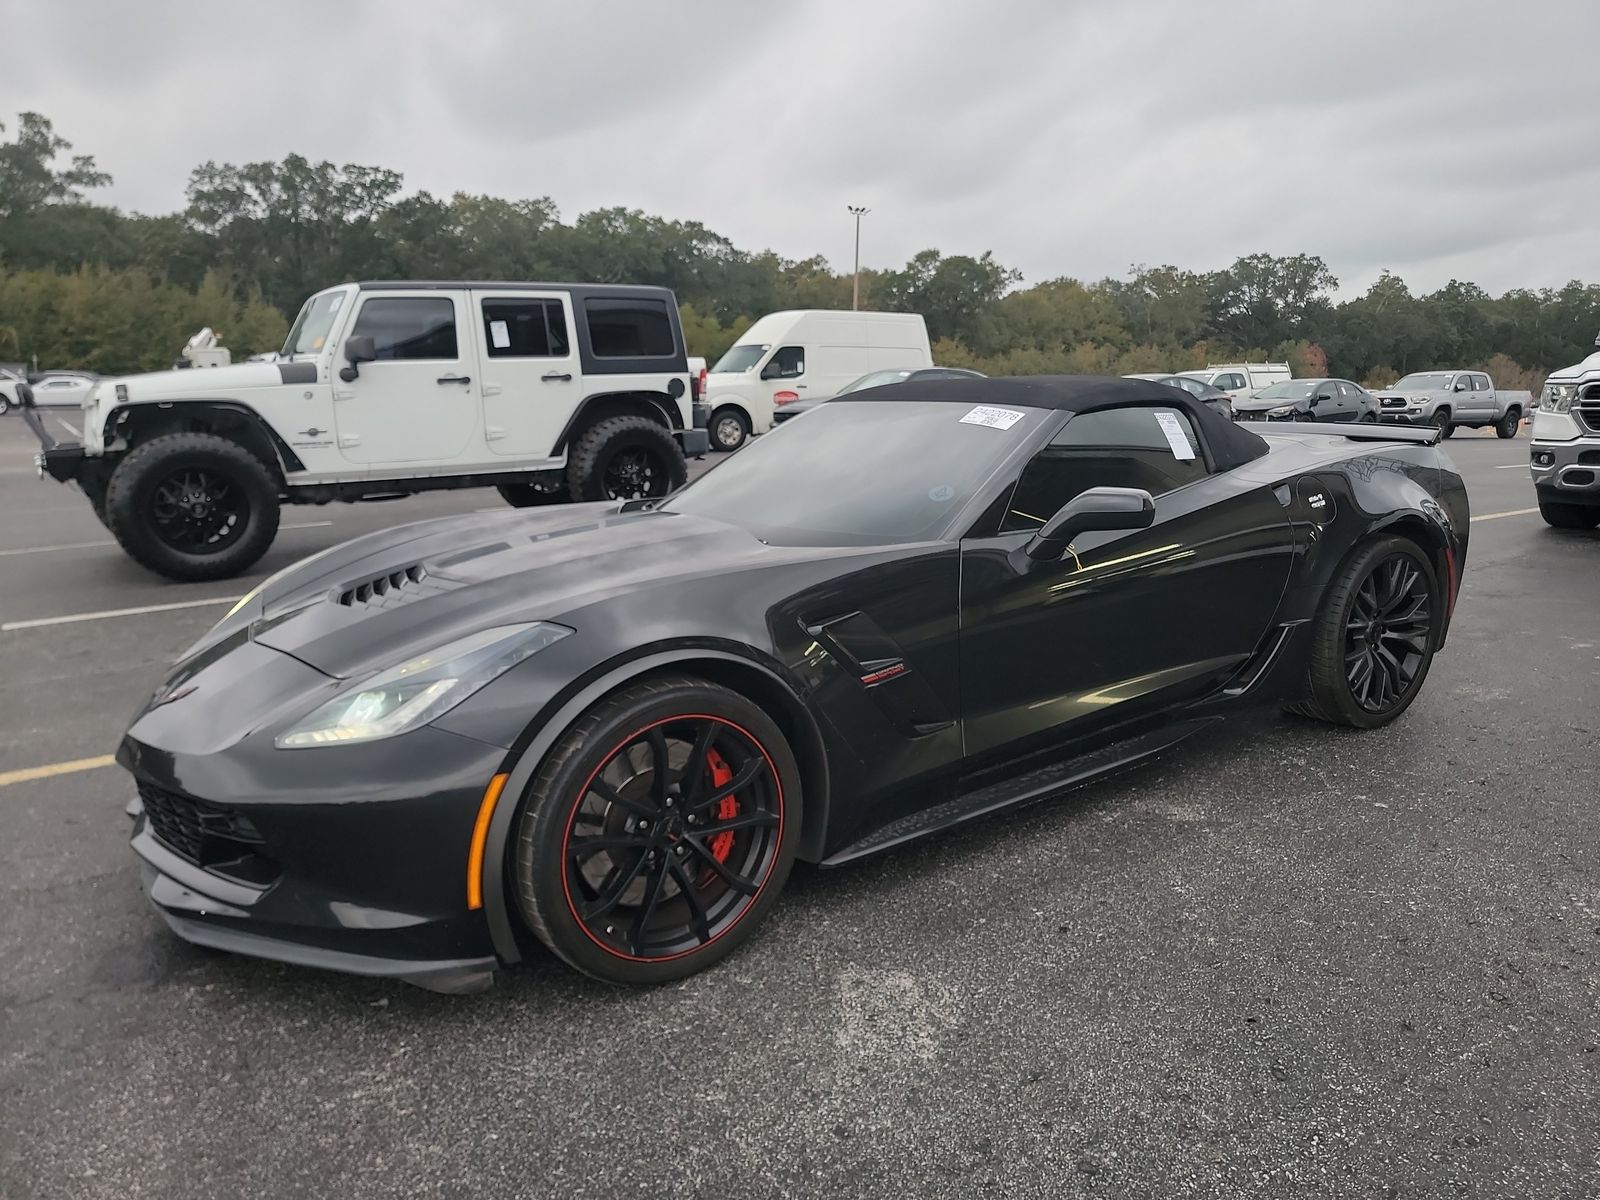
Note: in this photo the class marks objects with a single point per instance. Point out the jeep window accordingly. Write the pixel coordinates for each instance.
(311, 327)
(409, 327)
(629, 328)
(739, 359)
(525, 329)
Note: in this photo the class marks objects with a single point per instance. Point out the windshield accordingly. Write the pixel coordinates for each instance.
(874, 379)
(1298, 390)
(739, 359)
(311, 327)
(827, 481)
(1432, 381)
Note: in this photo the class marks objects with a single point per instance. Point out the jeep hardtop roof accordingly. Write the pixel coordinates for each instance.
(578, 289)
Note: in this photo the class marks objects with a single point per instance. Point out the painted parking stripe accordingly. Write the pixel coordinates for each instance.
(72, 429)
(98, 545)
(1515, 512)
(71, 618)
(1513, 467)
(53, 769)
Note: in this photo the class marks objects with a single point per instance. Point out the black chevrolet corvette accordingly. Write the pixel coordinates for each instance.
(612, 729)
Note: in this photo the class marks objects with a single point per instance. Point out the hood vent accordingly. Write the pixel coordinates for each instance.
(388, 590)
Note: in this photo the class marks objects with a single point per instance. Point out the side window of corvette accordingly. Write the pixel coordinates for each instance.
(1150, 448)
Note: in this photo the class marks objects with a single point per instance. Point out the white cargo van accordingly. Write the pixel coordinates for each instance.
(805, 355)
(1242, 380)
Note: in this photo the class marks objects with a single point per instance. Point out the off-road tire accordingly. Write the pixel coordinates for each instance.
(1569, 516)
(1327, 693)
(541, 845)
(597, 448)
(129, 496)
(1509, 424)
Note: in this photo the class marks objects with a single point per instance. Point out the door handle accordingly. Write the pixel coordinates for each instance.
(555, 376)
(454, 379)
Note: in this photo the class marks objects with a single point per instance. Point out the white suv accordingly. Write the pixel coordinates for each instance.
(546, 392)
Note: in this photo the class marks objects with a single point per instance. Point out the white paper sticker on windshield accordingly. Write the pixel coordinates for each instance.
(499, 334)
(994, 418)
(1177, 438)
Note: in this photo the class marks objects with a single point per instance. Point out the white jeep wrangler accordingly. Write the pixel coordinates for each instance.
(547, 392)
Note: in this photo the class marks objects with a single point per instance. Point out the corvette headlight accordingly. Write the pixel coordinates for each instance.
(1558, 397)
(1283, 410)
(420, 690)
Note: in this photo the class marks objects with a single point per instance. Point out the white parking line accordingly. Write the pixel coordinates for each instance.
(1515, 512)
(70, 618)
(1513, 467)
(95, 545)
(72, 429)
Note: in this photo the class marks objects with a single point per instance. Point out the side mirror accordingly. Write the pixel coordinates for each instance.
(357, 350)
(770, 371)
(1460, 387)
(1097, 508)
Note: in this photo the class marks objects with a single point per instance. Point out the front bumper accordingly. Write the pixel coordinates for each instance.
(62, 461)
(1395, 417)
(1567, 472)
(350, 858)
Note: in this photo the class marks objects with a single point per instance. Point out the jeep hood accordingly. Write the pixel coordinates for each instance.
(382, 598)
(210, 381)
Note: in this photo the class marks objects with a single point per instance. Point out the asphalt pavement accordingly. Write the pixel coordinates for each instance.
(1288, 961)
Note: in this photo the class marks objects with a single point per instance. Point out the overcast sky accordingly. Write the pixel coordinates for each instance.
(1437, 138)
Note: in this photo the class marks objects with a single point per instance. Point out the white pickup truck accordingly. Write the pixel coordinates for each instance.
(548, 392)
(1452, 399)
(1565, 456)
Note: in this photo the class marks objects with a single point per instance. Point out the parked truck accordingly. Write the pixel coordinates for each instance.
(1453, 399)
(1565, 457)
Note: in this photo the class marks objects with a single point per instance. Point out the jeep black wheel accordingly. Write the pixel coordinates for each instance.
(625, 458)
(1509, 424)
(192, 506)
(729, 429)
(1558, 515)
(658, 833)
(1373, 638)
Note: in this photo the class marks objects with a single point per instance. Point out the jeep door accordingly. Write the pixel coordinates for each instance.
(418, 401)
(532, 379)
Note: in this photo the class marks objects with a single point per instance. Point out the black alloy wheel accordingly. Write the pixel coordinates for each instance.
(672, 837)
(1387, 633)
(658, 832)
(197, 511)
(634, 473)
(1374, 636)
(625, 458)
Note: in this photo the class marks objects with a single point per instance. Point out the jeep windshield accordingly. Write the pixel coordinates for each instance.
(311, 327)
(1431, 382)
(828, 480)
(739, 360)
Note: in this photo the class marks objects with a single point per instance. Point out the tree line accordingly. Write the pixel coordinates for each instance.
(86, 285)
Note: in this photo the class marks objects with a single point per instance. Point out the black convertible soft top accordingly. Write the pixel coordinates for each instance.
(1231, 445)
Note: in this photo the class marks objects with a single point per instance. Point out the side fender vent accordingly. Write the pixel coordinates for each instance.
(394, 588)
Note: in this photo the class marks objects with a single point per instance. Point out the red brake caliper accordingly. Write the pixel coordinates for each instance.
(722, 843)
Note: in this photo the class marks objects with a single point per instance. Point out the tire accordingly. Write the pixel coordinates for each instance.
(530, 495)
(1368, 418)
(192, 483)
(602, 776)
(96, 495)
(729, 429)
(1334, 689)
(625, 458)
(1509, 424)
(1441, 421)
(5, 406)
(1559, 515)
(1305, 416)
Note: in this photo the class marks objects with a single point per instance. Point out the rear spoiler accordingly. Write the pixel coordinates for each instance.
(1424, 435)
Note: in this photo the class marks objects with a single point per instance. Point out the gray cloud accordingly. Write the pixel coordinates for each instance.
(1436, 138)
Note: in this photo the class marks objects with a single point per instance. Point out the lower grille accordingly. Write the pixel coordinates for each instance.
(200, 832)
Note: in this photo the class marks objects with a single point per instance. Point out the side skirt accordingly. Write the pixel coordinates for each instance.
(1041, 783)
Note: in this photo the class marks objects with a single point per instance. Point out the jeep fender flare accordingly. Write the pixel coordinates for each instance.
(150, 418)
(658, 406)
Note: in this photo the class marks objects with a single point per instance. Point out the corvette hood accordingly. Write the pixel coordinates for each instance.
(379, 599)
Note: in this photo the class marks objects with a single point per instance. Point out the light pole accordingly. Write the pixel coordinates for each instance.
(855, 288)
